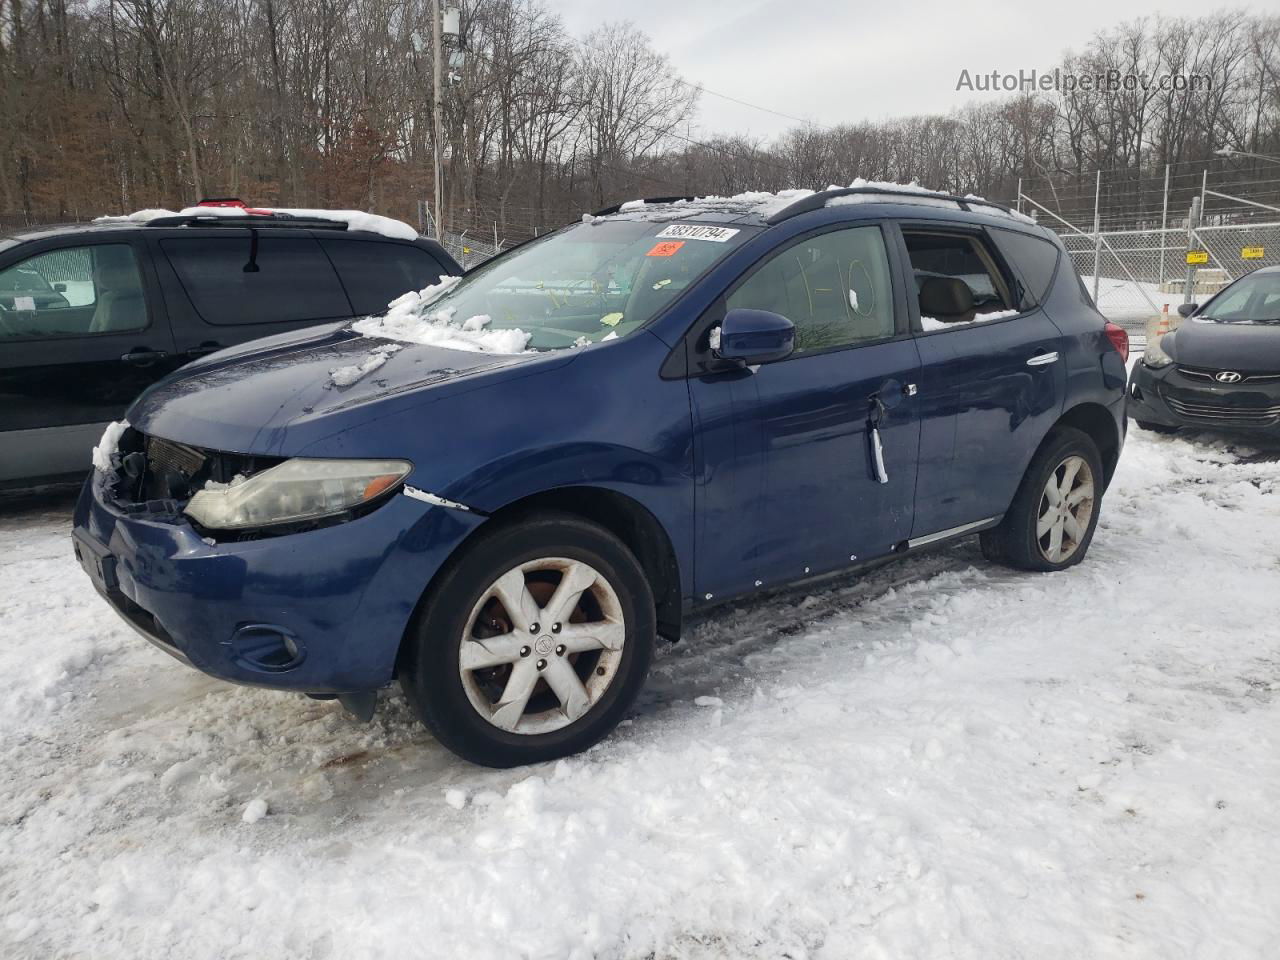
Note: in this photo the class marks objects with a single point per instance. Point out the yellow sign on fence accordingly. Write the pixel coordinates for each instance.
(1197, 256)
(1251, 253)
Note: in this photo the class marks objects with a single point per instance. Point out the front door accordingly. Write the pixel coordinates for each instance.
(808, 465)
(78, 343)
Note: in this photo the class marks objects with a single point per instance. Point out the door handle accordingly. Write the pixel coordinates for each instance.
(877, 456)
(1043, 359)
(877, 410)
(143, 357)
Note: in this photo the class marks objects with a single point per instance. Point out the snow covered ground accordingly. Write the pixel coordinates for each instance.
(941, 759)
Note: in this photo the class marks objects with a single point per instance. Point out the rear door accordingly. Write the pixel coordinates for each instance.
(790, 485)
(80, 338)
(226, 285)
(992, 378)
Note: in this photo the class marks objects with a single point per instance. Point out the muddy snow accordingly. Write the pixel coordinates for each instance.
(940, 759)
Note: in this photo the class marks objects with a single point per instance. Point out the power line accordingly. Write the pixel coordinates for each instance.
(753, 106)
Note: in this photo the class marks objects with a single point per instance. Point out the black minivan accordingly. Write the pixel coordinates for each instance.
(91, 314)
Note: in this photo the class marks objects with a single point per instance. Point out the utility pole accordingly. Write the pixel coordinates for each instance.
(437, 58)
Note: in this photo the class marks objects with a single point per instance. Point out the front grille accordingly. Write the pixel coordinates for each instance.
(1235, 414)
(1199, 373)
(165, 454)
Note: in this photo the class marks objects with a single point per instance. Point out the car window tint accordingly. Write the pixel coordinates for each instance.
(834, 287)
(375, 273)
(1035, 259)
(82, 291)
(283, 280)
(956, 279)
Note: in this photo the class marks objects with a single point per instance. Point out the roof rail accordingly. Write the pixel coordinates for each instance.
(617, 207)
(816, 201)
(249, 221)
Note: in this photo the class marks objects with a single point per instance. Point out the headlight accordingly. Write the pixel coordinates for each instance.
(295, 491)
(1154, 356)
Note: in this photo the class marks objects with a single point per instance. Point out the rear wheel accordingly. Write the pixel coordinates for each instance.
(533, 644)
(1051, 521)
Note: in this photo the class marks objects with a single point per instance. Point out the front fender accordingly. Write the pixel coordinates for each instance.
(607, 420)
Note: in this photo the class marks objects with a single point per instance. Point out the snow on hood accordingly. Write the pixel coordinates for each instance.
(354, 219)
(346, 376)
(407, 320)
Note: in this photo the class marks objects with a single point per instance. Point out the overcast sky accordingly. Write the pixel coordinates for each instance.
(839, 62)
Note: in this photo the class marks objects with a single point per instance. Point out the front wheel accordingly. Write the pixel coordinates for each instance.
(533, 644)
(1051, 521)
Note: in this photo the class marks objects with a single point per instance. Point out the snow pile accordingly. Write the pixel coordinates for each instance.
(354, 219)
(108, 444)
(942, 758)
(409, 320)
(254, 810)
(930, 323)
(346, 376)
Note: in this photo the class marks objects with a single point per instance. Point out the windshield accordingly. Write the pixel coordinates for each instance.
(590, 282)
(1254, 299)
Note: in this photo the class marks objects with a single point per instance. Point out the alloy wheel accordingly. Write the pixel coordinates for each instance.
(542, 645)
(1066, 509)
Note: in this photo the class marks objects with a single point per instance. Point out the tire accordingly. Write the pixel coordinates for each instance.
(1155, 427)
(473, 711)
(1016, 542)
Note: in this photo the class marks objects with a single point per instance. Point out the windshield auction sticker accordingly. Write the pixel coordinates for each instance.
(693, 231)
(666, 249)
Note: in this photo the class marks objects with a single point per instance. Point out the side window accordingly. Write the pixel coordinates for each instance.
(1035, 259)
(834, 287)
(75, 291)
(375, 273)
(232, 280)
(957, 280)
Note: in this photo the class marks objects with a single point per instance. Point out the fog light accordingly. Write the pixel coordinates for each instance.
(266, 648)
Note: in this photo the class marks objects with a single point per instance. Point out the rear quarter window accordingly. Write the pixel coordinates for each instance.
(286, 280)
(376, 272)
(1035, 260)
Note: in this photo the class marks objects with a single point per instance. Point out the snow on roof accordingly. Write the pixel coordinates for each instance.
(761, 203)
(765, 204)
(354, 219)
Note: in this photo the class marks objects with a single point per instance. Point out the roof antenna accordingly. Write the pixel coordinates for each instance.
(252, 265)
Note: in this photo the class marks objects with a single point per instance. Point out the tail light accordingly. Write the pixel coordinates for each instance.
(1119, 339)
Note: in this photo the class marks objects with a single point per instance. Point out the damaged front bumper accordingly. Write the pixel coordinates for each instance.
(321, 611)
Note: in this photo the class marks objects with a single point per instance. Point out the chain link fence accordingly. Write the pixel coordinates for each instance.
(1135, 273)
(467, 251)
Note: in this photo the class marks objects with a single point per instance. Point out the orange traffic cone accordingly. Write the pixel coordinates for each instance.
(1163, 326)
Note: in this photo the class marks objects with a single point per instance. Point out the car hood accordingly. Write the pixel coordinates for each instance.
(273, 396)
(1215, 345)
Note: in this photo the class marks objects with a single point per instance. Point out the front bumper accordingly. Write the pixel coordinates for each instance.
(317, 612)
(1177, 396)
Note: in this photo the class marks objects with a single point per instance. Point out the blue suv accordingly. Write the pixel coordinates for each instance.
(505, 490)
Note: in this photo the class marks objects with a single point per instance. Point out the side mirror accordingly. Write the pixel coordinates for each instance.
(1187, 309)
(753, 336)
